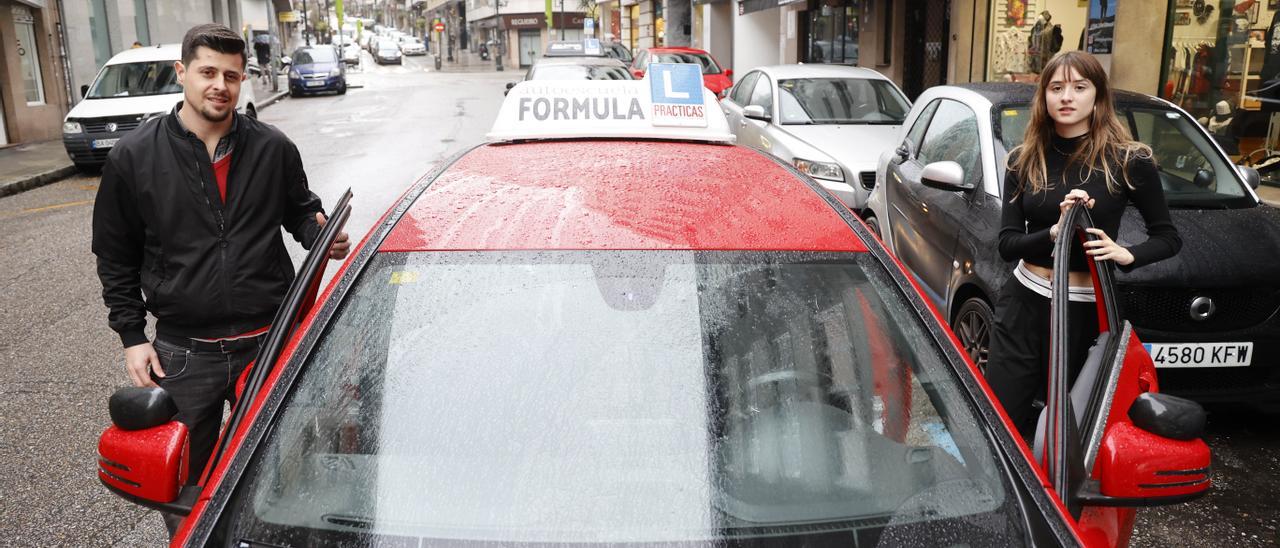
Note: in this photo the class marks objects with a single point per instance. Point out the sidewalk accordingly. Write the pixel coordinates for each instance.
(1269, 194)
(30, 165)
(467, 61)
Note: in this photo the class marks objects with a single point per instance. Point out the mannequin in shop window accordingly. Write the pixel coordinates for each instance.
(1223, 126)
(1036, 58)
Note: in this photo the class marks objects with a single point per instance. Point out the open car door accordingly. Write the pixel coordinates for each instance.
(1110, 442)
(143, 455)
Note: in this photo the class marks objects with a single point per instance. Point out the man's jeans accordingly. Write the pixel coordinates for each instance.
(199, 383)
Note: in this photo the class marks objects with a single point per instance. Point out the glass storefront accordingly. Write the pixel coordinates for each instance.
(833, 31)
(1025, 34)
(1222, 64)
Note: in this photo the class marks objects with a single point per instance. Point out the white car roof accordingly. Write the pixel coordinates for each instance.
(820, 71)
(160, 52)
(581, 61)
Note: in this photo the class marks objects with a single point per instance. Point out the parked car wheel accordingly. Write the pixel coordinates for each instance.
(342, 90)
(973, 325)
(874, 225)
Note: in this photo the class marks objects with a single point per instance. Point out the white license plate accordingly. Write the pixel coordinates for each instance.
(314, 83)
(102, 143)
(1171, 355)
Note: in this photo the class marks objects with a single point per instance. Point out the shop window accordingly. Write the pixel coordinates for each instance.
(141, 22)
(25, 28)
(1025, 34)
(833, 31)
(1218, 66)
(98, 31)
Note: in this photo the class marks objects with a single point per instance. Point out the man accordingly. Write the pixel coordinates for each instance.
(186, 225)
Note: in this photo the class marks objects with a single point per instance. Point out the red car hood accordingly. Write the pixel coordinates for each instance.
(716, 82)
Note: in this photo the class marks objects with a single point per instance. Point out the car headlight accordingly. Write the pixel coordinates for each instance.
(294, 74)
(72, 127)
(335, 72)
(820, 170)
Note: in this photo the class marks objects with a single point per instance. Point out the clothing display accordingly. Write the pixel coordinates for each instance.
(1010, 51)
(1038, 42)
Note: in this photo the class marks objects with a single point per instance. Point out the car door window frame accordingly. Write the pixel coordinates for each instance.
(922, 124)
(973, 173)
(763, 80)
(741, 94)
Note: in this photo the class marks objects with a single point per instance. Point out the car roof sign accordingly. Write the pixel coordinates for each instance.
(674, 105)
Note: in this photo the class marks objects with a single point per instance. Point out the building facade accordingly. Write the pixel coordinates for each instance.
(33, 84)
(520, 26)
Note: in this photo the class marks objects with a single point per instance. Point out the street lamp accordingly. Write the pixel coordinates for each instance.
(497, 25)
(305, 15)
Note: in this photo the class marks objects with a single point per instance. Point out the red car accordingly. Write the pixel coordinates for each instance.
(716, 79)
(604, 331)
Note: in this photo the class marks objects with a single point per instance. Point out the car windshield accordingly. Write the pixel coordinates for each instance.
(579, 72)
(840, 101)
(135, 80)
(708, 64)
(411, 42)
(717, 398)
(315, 55)
(1192, 171)
(387, 47)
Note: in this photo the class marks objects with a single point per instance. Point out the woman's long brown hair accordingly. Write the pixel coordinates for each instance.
(1107, 147)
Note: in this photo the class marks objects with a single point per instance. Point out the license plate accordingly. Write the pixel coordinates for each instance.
(314, 83)
(102, 143)
(1171, 355)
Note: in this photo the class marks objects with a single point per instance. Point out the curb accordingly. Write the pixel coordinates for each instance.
(272, 99)
(38, 180)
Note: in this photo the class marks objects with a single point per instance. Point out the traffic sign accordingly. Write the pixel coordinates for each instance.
(439, 26)
(676, 89)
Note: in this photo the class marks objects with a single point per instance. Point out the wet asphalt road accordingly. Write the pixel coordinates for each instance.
(62, 362)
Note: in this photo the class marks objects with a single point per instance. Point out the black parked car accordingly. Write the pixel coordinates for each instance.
(1210, 316)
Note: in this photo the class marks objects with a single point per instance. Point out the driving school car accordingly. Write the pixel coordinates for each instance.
(608, 325)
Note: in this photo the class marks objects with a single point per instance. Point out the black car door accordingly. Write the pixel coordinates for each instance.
(925, 220)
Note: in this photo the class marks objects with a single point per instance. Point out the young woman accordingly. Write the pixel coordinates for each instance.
(1074, 150)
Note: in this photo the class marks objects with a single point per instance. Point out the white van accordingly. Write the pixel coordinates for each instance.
(136, 84)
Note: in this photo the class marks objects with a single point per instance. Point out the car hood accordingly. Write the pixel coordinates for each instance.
(1220, 248)
(124, 106)
(315, 67)
(853, 145)
(716, 82)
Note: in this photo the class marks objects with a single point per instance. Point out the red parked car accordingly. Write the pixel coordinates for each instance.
(598, 330)
(717, 79)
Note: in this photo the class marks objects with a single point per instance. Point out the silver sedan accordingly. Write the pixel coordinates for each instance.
(831, 122)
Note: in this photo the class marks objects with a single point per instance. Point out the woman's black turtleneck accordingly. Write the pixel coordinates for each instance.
(1026, 217)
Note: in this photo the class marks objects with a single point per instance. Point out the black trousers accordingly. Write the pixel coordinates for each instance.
(200, 383)
(1018, 363)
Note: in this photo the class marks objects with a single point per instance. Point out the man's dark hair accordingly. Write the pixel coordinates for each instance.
(214, 36)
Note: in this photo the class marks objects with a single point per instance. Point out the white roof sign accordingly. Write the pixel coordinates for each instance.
(668, 109)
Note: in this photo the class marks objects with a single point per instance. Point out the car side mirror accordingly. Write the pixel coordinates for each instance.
(756, 112)
(143, 455)
(511, 85)
(728, 73)
(84, 90)
(1168, 416)
(639, 74)
(286, 60)
(1203, 178)
(1137, 467)
(944, 175)
(1251, 176)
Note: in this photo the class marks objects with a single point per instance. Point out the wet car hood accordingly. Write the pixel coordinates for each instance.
(856, 158)
(1220, 248)
(312, 68)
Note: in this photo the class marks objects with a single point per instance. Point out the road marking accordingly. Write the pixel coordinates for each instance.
(57, 206)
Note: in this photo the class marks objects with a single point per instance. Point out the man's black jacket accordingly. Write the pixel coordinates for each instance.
(160, 228)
